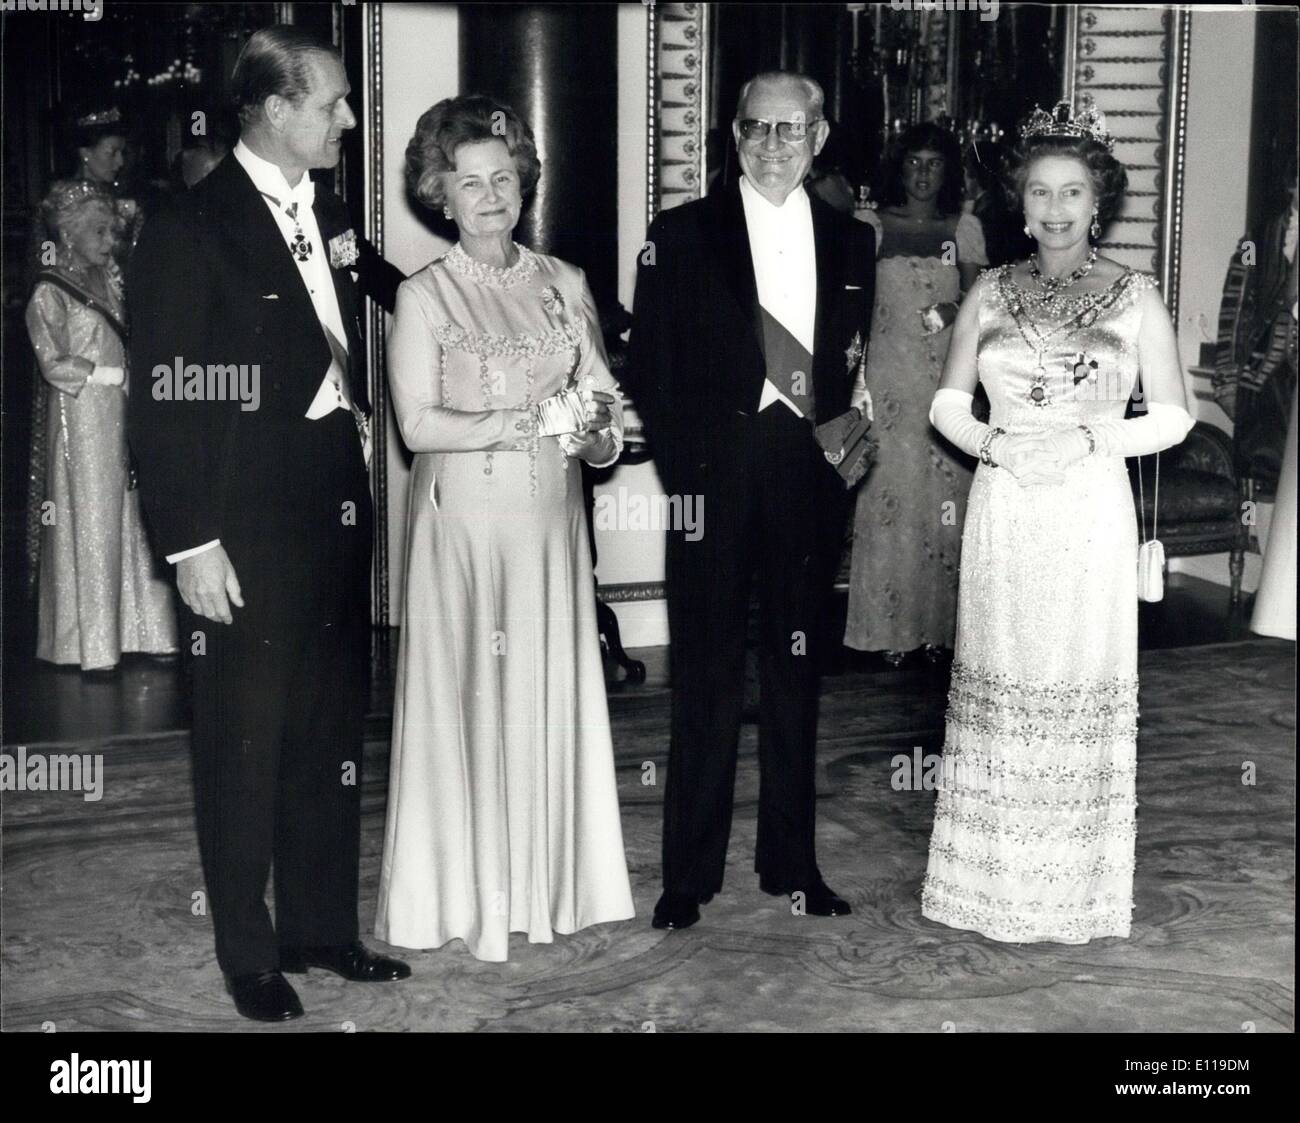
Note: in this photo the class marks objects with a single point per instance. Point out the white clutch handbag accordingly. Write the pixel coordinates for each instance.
(1151, 554)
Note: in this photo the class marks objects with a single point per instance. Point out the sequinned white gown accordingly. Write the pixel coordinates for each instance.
(102, 593)
(1034, 826)
(503, 810)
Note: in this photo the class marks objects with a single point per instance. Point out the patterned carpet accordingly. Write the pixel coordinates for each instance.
(98, 931)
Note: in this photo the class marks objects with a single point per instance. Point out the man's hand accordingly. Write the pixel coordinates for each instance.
(208, 585)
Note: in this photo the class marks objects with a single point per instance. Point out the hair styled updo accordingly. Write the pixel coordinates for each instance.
(468, 119)
(69, 202)
(1107, 176)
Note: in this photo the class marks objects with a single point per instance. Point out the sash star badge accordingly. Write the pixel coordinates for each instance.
(343, 250)
(853, 354)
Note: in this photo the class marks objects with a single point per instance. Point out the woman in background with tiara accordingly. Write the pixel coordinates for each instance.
(100, 139)
(99, 593)
(1034, 826)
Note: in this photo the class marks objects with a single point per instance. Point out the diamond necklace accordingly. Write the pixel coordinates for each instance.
(1096, 302)
(1052, 286)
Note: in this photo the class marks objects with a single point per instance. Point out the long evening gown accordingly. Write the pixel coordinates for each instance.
(102, 592)
(502, 805)
(909, 510)
(1034, 825)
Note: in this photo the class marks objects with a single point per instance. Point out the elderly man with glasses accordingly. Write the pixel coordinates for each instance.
(751, 315)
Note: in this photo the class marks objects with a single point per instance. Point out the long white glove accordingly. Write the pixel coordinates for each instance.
(1162, 427)
(950, 413)
(107, 376)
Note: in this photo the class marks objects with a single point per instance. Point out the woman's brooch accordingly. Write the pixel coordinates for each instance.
(552, 301)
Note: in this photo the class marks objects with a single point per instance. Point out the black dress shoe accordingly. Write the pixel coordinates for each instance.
(353, 961)
(265, 996)
(676, 910)
(819, 899)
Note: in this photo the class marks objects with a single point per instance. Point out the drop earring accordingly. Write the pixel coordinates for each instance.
(446, 212)
(1096, 227)
(1027, 234)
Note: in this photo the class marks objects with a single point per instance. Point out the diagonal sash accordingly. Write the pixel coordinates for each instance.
(843, 439)
(789, 363)
(84, 298)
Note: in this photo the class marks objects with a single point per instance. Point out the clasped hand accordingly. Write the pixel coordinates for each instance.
(571, 411)
(1036, 459)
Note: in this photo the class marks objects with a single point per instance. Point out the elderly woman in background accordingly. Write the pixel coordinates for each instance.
(99, 593)
(1034, 826)
(908, 519)
(502, 805)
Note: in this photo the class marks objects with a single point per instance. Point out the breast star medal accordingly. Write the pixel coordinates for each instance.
(1082, 367)
(853, 353)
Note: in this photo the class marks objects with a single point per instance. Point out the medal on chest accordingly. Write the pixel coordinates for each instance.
(1039, 393)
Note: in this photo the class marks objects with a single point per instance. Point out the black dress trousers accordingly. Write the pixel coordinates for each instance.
(279, 699)
(771, 514)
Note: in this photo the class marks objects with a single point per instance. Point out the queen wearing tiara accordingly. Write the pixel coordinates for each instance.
(1034, 826)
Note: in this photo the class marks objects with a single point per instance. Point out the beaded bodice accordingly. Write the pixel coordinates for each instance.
(508, 337)
(1050, 364)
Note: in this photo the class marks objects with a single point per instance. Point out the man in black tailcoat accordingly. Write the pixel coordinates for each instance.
(750, 324)
(249, 420)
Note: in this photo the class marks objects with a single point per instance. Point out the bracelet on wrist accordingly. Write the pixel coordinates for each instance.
(986, 447)
(1092, 441)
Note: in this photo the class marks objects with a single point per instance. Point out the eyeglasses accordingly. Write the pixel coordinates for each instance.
(754, 128)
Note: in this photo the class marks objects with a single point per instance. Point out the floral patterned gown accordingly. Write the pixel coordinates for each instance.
(102, 592)
(503, 811)
(909, 509)
(1034, 826)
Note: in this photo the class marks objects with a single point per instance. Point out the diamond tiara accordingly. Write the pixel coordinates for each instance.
(1088, 122)
(106, 117)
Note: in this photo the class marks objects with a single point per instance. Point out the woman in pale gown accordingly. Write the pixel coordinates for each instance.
(1034, 826)
(502, 805)
(909, 510)
(100, 593)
